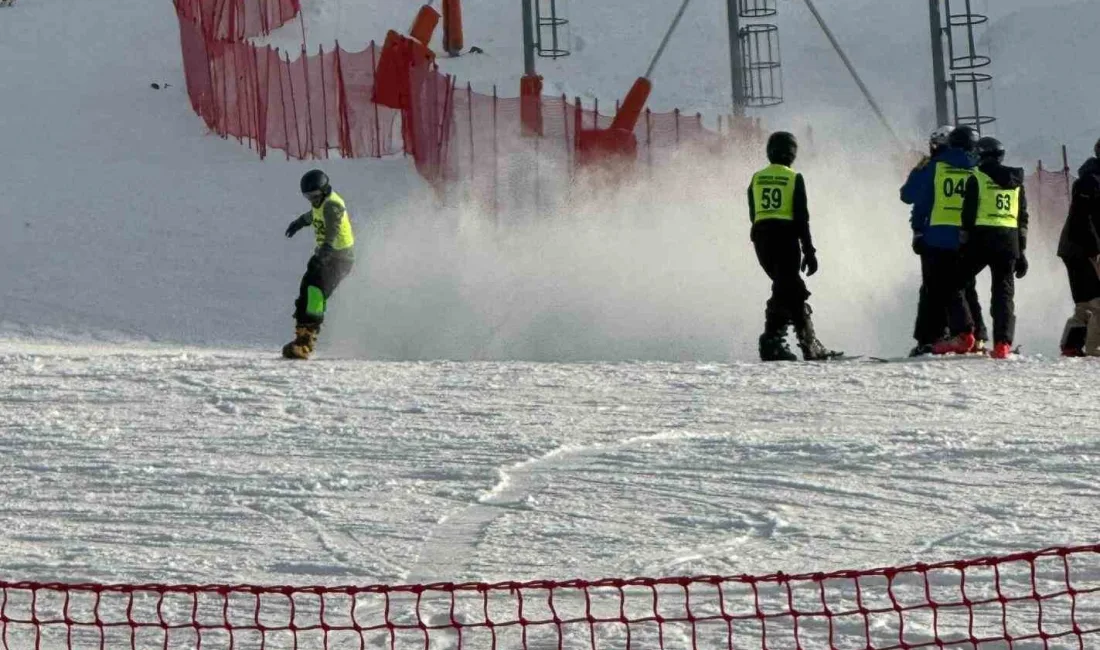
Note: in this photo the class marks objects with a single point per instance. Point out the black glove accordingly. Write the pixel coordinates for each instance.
(918, 243)
(809, 262)
(294, 227)
(1021, 265)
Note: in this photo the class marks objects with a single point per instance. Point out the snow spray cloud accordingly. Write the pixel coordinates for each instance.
(661, 269)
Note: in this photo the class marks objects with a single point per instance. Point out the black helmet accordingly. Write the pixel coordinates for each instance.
(315, 180)
(990, 148)
(963, 137)
(782, 148)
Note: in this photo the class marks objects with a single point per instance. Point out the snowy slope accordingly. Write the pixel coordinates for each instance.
(184, 465)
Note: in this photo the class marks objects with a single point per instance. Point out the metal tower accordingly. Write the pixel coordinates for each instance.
(963, 74)
(755, 72)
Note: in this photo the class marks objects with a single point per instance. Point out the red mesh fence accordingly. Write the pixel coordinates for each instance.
(237, 20)
(1044, 599)
(1048, 195)
(320, 105)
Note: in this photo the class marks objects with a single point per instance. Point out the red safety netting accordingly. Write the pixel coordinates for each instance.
(320, 105)
(1048, 195)
(1043, 599)
(237, 20)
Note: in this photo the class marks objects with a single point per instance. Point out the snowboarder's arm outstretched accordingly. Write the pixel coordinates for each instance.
(301, 222)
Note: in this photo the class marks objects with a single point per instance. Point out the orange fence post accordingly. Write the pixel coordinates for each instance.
(424, 24)
(452, 27)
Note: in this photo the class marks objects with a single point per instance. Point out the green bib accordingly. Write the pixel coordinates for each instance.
(950, 189)
(773, 193)
(997, 206)
(344, 236)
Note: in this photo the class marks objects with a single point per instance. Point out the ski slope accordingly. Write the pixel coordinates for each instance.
(569, 397)
(145, 464)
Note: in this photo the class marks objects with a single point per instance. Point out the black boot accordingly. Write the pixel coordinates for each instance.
(774, 348)
(812, 349)
(773, 342)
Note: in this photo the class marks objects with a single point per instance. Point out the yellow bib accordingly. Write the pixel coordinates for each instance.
(950, 188)
(997, 206)
(773, 193)
(345, 238)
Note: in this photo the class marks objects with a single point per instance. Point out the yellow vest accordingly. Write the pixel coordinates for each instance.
(773, 193)
(997, 206)
(344, 236)
(950, 188)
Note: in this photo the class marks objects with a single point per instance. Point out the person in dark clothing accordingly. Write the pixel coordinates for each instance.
(930, 325)
(938, 235)
(781, 237)
(994, 222)
(1079, 248)
(330, 263)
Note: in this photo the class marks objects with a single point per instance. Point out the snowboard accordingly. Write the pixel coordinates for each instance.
(942, 357)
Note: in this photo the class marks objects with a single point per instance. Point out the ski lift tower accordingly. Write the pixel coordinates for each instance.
(960, 70)
(755, 73)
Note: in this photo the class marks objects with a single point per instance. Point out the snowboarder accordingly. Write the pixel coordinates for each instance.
(931, 321)
(781, 237)
(330, 263)
(938, 235)
(994, 222)
(1079, 248)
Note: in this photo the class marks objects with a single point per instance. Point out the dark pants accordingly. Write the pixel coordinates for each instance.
(931, 322)
(1002, 306)
(781, 258)
(324, 274)
(1084, 279)
(945, 281)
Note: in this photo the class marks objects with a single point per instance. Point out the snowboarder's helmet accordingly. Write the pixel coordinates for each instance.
(782, 148)
(939, 137)
(963, 137)
(990, 148)
(314, 181)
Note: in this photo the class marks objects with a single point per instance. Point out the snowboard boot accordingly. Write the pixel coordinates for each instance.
(958, 344)
(1001, 350)
(921, 349)
(305, 338)
(812, 349)
(773, 342)
(773, 347)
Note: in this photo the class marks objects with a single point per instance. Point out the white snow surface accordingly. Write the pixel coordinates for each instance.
(148, 464)
(569, 396)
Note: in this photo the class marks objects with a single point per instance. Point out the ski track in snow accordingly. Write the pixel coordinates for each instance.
(136, 464)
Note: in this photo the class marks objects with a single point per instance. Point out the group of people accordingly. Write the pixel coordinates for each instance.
(969, 212)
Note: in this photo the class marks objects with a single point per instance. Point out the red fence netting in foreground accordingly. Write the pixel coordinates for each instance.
(1043, 599)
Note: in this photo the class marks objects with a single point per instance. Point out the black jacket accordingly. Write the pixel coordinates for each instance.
(777, 228)
(991, 239)
(1081, 233)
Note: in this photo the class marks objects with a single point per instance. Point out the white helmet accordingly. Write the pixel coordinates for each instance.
(939, 136)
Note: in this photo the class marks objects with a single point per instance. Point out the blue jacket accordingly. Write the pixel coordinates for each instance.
(920, 192)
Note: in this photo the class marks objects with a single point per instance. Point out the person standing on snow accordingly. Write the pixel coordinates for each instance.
(995, 220)
(930, 325)
(1079, 248)
(940, 235)
(330, 263)
(781, 237)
